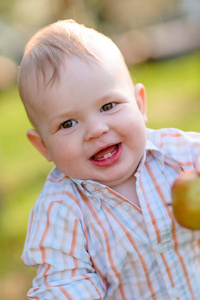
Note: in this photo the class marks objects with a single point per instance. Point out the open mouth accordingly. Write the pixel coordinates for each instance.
(107, 156)
(105, 153)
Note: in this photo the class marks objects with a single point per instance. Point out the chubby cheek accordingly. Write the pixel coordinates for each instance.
(64, 155)
(133, 125)
(135, 135)
(67, 165)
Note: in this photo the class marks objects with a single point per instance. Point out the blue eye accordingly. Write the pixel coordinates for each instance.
(68, 124)
(108, 106)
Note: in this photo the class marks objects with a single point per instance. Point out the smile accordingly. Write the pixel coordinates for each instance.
(107, 156)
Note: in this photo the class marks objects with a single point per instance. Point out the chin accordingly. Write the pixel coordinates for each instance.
(114, 181)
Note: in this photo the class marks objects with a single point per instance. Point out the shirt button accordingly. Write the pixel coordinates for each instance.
(90, 187)
(126, 206)
(95, 200)
(98, 206)
(112, 203)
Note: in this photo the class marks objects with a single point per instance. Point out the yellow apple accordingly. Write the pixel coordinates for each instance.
(186, 199)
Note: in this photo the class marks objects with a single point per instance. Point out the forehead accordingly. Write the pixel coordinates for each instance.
(105, 56)
(75, 70)
(83, 84)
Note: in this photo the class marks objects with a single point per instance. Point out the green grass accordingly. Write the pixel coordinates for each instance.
(22, 176)
(173, 98)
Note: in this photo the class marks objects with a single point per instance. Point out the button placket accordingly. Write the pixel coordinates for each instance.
(90, 187)
(125, 206)
(96, 202)
(98, 206)
(112, 203)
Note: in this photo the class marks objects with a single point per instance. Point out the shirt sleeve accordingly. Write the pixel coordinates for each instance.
(57, 246)
(183, 147)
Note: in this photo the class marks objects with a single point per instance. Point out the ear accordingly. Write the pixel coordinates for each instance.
(35, 138)
(140, 95)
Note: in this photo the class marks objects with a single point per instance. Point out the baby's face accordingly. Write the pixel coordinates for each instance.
(91, 123)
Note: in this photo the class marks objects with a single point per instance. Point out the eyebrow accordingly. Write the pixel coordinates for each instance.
(64, 115)
(69, 114)
(112, 97)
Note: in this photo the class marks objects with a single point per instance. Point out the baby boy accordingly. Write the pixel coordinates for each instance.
(102, 227)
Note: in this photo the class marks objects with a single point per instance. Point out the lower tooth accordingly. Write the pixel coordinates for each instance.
(107, 155)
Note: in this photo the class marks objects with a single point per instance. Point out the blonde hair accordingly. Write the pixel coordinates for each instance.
(48, 48)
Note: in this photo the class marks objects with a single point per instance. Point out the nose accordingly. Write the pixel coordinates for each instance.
(96, 129)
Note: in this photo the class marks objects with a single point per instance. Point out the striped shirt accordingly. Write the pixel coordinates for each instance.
(88, 242)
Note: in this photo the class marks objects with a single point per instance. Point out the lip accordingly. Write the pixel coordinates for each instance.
(110, 160)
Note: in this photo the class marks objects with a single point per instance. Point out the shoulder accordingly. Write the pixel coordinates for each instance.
(58, 196)
(167, 137)
(55, 216)
(184, 147)
(54, 188)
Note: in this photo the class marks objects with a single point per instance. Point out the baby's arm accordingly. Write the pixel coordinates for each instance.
(56, 245)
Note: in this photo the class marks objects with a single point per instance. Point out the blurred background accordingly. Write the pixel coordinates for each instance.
(160, 40)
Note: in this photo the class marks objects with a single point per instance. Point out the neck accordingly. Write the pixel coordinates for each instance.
(128, 190)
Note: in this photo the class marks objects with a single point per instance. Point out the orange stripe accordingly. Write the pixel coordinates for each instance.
(67, 295)
(161, 196)
(117, 274)
(135, 248)
(171, 134)
(151, 215)
(44, 235)
(73, 247)
(160, 193)
(32, 291)
(87, 242)
(181, 261)
(122, 292)
(186, 164)
(154, 221)
(74, 238)
(75, 266)
(45, 274)
(104, 278)
(177, 168)
(30, 227)
(168, 271)
(57, 181)
(88, 278)
(174, 135)
(73, 198)
(37, 298)
(42, 249)
(173, 231)
(123, 199)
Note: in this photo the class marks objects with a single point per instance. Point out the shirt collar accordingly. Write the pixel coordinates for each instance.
(90, 185)
(152, 149)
